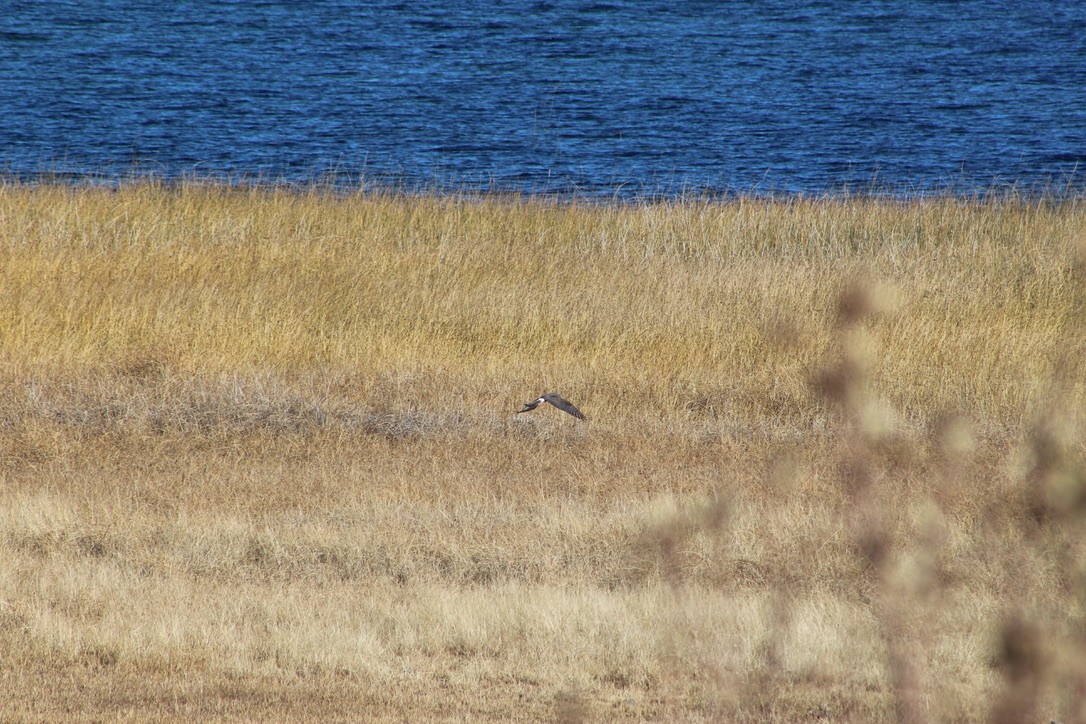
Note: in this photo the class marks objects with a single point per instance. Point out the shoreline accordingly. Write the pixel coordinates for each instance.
(346, 183)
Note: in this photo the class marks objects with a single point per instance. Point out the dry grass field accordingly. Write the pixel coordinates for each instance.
(259, 457)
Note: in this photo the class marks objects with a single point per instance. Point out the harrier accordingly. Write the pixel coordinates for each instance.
(555, 399)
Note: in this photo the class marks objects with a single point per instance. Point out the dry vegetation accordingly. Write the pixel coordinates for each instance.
(258, 457)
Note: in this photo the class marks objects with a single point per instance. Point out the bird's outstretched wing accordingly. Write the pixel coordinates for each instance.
(528, 406)
(563, 404)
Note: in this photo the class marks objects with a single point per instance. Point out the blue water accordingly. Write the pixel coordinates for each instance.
(624, 97)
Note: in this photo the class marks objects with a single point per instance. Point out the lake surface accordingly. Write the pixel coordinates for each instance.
(627, 98)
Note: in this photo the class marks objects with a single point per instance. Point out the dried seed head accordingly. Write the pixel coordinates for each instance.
(954, 436)
(1057, 481)
(1066, 490)
(874, 547)
(1021, 651)
(873, 541)
(841, 384)
(855, 303)
(861, 299)
(1021, 657)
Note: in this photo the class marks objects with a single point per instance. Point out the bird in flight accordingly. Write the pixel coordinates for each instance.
(555, 399)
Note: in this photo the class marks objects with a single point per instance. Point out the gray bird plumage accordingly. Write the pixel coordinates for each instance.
(555, 399)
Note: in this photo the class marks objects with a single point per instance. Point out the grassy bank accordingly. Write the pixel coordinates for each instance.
(258, 457)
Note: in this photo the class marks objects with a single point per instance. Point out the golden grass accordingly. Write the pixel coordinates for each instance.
(258, 457)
